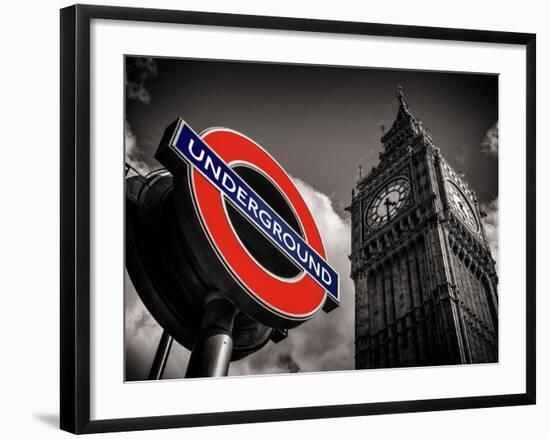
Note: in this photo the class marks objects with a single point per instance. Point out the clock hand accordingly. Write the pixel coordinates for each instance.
(389, 203)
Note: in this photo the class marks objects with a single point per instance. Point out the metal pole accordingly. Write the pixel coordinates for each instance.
(214, 344)
(161, 356)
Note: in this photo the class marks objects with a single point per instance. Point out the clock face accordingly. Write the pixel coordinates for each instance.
(388, 202)
(462, 207)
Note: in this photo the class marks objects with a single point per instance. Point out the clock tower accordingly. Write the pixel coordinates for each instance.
(425, 281)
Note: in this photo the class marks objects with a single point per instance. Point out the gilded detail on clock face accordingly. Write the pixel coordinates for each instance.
(461, 206)
(388, 202)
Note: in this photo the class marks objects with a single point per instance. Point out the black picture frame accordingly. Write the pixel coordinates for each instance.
(75, 217)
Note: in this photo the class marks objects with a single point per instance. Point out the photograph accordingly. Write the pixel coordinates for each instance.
(271, 218)
(275, 220)
(297, 218)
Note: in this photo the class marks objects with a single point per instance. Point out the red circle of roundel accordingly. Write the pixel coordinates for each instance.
(298, 298)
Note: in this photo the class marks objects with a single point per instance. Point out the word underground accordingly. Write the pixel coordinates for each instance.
(208, 163)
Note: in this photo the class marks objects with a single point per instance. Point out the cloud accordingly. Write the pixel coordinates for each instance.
(134, 155)
(326, 342)
(490, 224)
(139, 71)
(285, 361)
(489, 144)
(141, 334)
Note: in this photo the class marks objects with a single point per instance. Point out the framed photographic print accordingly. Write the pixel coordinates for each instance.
(269, 218)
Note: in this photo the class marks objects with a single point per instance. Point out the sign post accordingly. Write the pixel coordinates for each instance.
(213, 346)
(161, 356)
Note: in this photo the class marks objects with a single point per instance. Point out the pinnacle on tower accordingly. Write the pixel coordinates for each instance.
(402, 98)
(404, 122)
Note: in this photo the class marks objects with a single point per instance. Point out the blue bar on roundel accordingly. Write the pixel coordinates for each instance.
(197, 153)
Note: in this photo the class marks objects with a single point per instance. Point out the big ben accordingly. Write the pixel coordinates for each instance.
(425, 280)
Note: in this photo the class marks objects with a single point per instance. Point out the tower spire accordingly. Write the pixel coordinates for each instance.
(403, 129)
(402, 98)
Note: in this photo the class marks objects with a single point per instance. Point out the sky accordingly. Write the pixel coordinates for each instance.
(320, 123)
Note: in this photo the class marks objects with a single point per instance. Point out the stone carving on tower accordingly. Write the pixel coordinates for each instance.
(425, 280)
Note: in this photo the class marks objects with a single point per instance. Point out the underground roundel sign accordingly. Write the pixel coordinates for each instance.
(257, 225)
